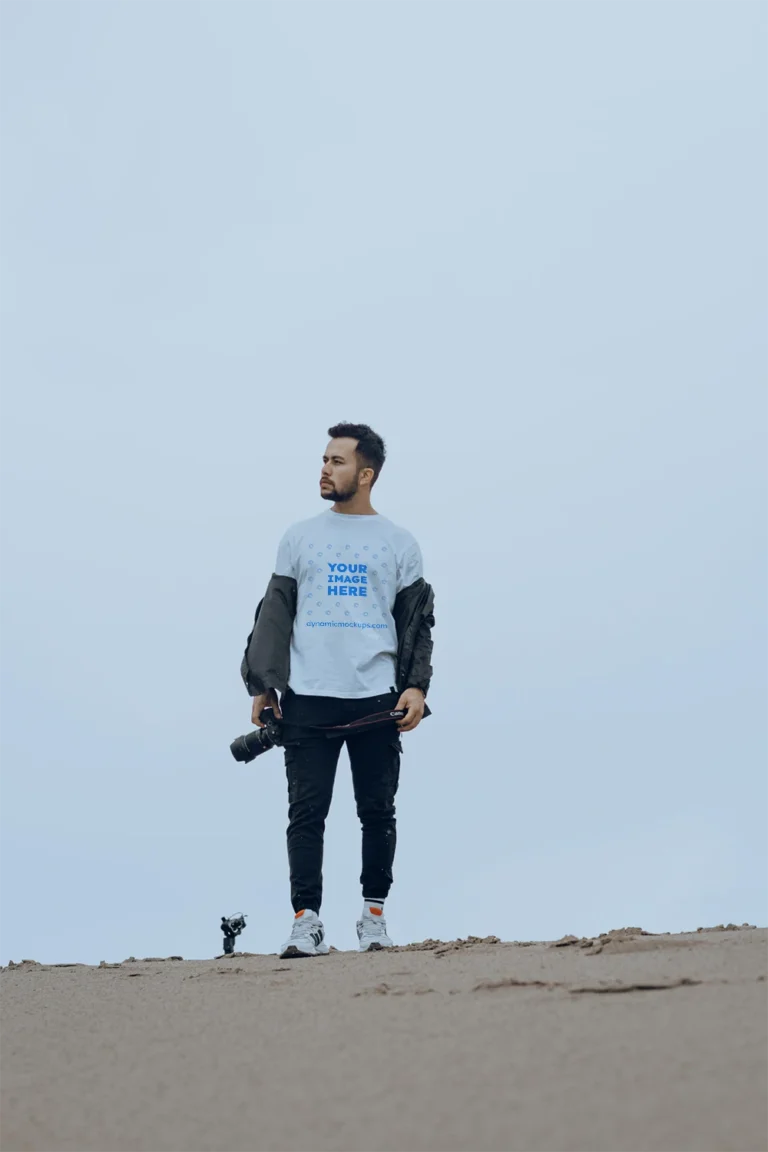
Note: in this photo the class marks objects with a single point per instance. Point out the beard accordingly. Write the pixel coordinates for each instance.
(338, 495)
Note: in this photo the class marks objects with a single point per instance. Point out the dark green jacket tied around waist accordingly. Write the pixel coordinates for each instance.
(267, 660)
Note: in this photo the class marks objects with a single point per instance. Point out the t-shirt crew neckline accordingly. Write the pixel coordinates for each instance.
(353, 515)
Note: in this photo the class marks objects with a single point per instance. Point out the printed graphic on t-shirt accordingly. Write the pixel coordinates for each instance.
(348, 580)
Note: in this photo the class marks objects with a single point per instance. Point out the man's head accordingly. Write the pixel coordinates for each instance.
(352, 461)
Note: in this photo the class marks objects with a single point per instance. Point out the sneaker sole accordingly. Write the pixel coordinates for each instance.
(294, 953)
(376, 947)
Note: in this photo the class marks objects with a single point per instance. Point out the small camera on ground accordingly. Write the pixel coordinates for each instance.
(231, 926)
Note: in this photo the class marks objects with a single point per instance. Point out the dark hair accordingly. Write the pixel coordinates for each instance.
(371, 449)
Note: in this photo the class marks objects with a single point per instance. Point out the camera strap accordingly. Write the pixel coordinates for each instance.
(375, 720)
(364, 724)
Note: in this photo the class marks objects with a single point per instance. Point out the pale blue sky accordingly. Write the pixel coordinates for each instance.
(527, 243)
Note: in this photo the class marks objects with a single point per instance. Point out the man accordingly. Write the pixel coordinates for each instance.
(343, 633)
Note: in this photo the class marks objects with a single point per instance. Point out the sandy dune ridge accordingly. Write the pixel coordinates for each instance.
(625, 1042)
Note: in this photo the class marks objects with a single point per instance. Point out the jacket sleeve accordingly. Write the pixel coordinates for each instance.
(267, 660)
(420, 672)
(414, 621)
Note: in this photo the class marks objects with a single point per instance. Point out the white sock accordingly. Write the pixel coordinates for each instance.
(373, 907)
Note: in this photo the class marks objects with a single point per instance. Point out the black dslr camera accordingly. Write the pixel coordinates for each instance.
(253, 744)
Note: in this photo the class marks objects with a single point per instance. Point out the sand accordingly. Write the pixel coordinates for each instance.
(628, 1043)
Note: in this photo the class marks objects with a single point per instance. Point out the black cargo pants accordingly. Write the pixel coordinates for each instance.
(310, 763)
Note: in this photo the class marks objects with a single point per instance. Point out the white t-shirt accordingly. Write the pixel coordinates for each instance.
(348, 570)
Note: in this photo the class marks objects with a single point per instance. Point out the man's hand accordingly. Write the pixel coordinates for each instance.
(412, 701)
(266, 700)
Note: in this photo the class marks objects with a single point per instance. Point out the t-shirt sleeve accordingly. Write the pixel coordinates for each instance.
(285, 564)
(411, 566)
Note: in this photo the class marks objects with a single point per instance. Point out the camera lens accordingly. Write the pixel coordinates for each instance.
(248, 747)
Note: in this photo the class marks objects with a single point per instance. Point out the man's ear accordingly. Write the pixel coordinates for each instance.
(366, 477)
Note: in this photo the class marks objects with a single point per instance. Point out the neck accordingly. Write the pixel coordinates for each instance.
(359, 505)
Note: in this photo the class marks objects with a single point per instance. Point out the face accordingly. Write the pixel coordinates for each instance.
(342, 476)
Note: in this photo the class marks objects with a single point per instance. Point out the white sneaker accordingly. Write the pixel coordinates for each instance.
(307, 937)
(372, 932)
